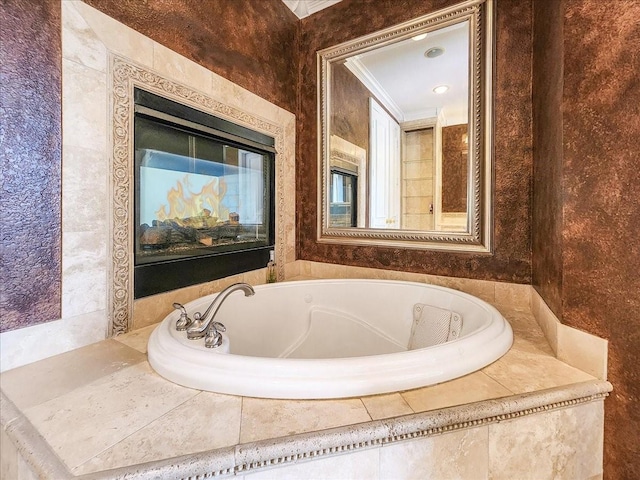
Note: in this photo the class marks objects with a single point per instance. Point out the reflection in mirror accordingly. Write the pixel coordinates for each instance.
(405, 150)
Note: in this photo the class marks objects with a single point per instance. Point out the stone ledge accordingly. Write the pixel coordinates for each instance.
(252, 456)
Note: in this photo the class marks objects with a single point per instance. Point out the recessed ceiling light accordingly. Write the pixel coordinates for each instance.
(434, 52)
(441, 89)
(417, 38)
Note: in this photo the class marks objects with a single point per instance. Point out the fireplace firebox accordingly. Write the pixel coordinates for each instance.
(204, 196)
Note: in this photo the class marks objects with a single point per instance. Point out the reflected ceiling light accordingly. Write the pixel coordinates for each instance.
(441, 89)
(417, 38)
(434, 52)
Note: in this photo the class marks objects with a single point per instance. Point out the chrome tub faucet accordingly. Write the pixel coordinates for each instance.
(203, 325)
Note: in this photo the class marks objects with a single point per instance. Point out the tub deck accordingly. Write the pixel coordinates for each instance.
(101, 412)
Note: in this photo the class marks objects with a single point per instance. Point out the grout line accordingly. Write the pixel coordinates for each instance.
(241, 419)
(109, 447)
(499, 383)
(366, 409)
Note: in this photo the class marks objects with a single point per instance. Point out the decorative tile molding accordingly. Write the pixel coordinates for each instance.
(31, 447)
(230, 461)
(382, 432)
(125, 76)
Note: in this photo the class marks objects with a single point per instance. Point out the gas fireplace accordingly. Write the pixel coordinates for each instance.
(204, 196)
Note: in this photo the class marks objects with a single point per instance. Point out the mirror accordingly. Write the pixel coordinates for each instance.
(405, 151)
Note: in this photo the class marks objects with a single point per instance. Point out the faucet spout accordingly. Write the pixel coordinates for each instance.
(203, 322)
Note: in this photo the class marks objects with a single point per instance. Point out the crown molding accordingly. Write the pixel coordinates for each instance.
(304, 8)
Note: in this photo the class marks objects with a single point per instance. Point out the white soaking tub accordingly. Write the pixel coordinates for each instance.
(334, 338)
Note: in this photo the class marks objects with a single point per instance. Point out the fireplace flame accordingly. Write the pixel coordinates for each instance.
(183, 203)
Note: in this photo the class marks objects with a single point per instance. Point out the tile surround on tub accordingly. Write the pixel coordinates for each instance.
(26, 345)
(181, 432)
(579, 349)
(386, 406)
(536, 452)
(61, 374)
(320, 433)
(575, 347)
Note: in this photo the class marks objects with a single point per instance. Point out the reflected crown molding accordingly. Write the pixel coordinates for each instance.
(304, 8)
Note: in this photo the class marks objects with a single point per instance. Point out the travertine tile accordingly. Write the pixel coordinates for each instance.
(47, 379)
(137, 339)
(116, 36)
(362, 465)
(218, 285)
(403, 276)
(25, 472)
(328, 270)
(80, 44)
(85, 205)
(305, 268)
(205, 422)
(361, 272)
(84, 118)
(84, 272)
(265, 418)
(470, 388)
(386, 406)
(180, 69)
(482, 289)
(25, 345)
(462, 455)
(583, 350)
(153, 309)
(521, 371)
(291, 269)
(8, 457)
(514, 295)
(527, 334)
(547, 321)
(563, 444)
(255, 277)
(88, 420)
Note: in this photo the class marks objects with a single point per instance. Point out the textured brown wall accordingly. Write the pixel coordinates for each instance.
(586, 209)
(251, 43)
(349, 107)
(601, 251)
(30, 162)
(548, 156)
(511, 260)
(454, 169)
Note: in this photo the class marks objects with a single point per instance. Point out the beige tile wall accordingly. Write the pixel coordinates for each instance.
(564, 444)
(417, 180)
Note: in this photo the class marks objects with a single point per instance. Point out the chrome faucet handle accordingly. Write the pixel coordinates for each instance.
(184, 321)
(213, 337)
(195, 330)
(218, 326)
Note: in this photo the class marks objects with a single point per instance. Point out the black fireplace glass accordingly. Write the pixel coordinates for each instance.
(343, 205)
(204, 205)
